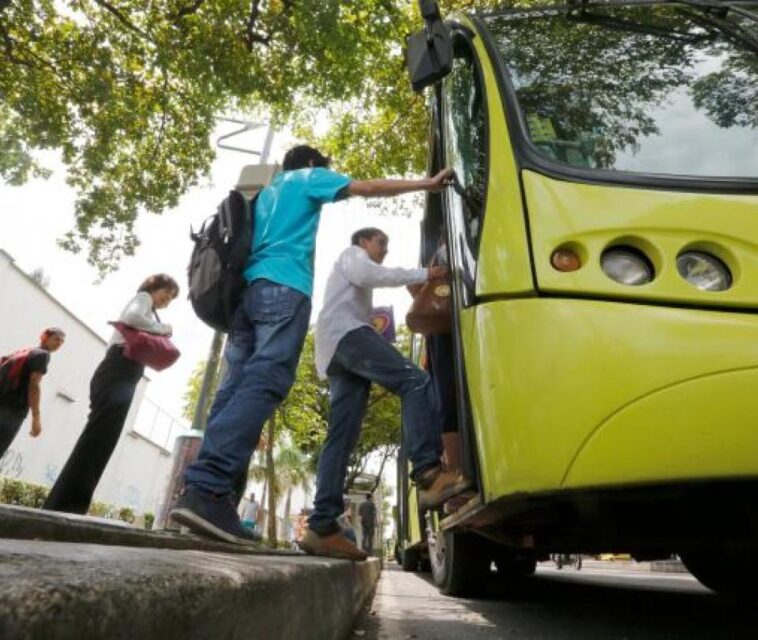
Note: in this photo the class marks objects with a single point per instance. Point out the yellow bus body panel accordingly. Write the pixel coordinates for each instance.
(572, 393)
(661, 224)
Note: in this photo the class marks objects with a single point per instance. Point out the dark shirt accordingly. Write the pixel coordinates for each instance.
(17, 394)
(367, 512)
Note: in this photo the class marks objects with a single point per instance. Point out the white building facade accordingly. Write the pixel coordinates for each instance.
(137, 472)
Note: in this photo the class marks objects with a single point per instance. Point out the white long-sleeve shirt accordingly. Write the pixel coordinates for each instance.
(139, 314)
(349, 296)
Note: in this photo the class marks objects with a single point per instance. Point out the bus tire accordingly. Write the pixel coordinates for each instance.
(727, 573)
(460, 562)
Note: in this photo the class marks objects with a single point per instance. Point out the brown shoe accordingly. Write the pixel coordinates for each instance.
(335, 545)
(437, 485)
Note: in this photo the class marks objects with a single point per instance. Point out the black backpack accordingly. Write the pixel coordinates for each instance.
(222, 249)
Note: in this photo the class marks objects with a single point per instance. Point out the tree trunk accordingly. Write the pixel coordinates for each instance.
(264, 511)
(271, 474)
(286, 521)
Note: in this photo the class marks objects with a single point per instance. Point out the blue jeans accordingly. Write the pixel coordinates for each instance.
(363, 357)
(262, 353)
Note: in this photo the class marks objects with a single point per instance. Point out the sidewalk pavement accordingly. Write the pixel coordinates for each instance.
(124, 583)
(657, 566)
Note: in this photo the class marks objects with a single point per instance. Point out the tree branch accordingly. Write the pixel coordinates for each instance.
(8, 43)
(121, 17)
(250, 34)
(164, 115)
(389, 451)
(186, 11)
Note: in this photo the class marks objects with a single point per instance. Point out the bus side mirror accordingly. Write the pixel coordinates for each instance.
(430, 52)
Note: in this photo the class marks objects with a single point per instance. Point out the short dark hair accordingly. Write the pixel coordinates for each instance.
(369, 496)
(159, 281)
(51, 331)
(367, 233)
(301, 156)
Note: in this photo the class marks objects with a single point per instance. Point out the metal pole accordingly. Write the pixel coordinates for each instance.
(200, 417)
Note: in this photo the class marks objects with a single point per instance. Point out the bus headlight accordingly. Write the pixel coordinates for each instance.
(627, 265)
(704, 271)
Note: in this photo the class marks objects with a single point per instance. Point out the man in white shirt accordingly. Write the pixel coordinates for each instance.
(353, 355)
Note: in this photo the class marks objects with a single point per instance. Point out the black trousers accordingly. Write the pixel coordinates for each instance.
(111, 393)
(11, 417)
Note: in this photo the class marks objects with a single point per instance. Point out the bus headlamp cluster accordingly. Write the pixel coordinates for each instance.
(626, 265)
(704, 271)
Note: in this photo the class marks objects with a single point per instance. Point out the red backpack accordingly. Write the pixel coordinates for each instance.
(11, 367)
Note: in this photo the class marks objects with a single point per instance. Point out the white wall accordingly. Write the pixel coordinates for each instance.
(137, 471)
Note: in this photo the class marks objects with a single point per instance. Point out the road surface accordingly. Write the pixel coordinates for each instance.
(589, 604)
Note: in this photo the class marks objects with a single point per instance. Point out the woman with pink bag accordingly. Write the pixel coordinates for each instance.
(112, 389)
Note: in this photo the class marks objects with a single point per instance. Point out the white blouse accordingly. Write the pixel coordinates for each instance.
(139, 314)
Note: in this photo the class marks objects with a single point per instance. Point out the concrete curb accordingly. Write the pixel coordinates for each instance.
(24, 523)
(62, 591)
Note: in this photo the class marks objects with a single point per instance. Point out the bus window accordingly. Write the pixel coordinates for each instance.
(623, 88)
(464, 128)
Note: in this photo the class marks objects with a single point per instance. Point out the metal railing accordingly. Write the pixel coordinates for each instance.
(159, 426)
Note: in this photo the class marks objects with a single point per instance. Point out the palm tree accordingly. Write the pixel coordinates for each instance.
(293, 470)
(258, 473)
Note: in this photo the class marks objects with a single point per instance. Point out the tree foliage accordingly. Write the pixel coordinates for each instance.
(192, 391)
(128, 91)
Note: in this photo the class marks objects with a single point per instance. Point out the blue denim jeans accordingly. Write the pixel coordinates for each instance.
(363, 357)
(261, 355)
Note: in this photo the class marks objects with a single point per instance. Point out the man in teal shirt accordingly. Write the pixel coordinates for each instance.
(268, 330)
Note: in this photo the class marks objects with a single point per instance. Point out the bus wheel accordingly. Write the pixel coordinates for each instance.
(409, 559)
(727, 573)
(460, 563)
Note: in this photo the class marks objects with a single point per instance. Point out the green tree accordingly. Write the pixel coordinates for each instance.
(293, 471)
(128, 92)
(192, 392)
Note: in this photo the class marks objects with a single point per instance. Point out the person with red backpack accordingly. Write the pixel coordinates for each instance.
(20, 376)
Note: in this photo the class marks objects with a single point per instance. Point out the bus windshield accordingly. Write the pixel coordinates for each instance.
(662, 89)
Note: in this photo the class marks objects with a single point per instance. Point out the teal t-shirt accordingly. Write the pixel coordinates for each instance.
(286, 220)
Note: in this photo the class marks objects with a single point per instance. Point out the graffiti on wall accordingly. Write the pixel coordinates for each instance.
(12, 464)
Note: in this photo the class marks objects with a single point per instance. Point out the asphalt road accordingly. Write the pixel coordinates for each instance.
(590, 604)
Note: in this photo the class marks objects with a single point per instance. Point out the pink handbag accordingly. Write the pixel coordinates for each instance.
(150, 349)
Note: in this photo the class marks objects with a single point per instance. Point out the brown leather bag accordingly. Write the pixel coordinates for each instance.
(431, 311)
